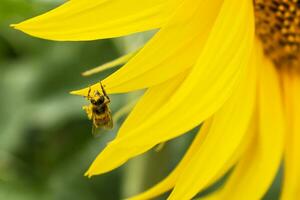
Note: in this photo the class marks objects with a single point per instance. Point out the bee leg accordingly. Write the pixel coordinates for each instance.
(104, 92)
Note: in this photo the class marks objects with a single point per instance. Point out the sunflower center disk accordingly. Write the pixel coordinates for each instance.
(278, 27)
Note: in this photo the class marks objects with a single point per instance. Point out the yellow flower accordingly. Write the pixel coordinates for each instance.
(208, 63)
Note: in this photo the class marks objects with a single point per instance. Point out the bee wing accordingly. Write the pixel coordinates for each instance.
(110, 122)
(96, 131)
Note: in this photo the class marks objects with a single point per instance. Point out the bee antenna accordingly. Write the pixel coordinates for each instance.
(90, 89)
(103, 90)
(101, 85)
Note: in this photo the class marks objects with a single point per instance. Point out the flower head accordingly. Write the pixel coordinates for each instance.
(230, 64)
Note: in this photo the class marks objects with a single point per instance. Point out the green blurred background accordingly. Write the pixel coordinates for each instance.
(45, 140)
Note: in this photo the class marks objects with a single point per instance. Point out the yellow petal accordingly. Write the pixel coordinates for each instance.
(224, 141)
(91, 19)
(202, 93)
(291, 184)
(244, 146)
(174, 49)
(256, 171)
(151, 102)
(169, 182)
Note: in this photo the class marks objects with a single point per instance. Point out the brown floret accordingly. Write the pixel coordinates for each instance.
(278, 27)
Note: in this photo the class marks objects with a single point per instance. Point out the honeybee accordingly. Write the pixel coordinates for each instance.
(98, 111)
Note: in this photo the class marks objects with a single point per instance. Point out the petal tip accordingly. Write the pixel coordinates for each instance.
(17, 26)
(94, 171)
(88, 174)
(86, 73)
(78, 93)
(13, 26)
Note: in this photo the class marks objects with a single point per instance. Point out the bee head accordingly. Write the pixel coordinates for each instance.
(98, 99)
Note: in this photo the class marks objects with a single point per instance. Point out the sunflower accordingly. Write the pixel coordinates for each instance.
(229, 64)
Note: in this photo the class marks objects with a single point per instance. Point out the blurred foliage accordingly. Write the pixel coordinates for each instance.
(45, 139)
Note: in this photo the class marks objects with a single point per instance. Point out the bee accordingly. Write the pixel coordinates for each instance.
(98, 110)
